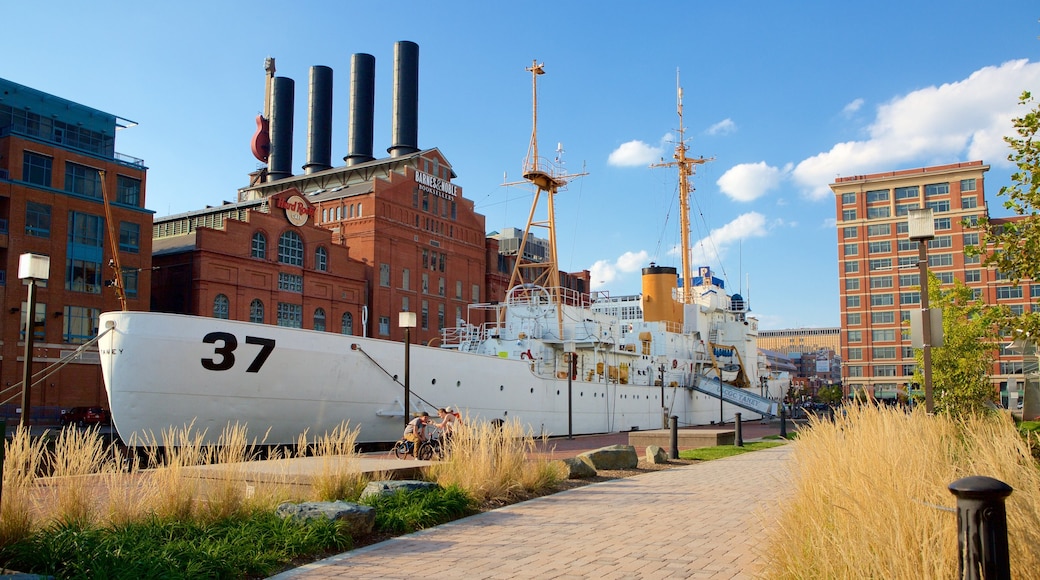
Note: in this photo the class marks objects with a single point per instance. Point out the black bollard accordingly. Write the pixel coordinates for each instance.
(675, 438)
(982, 528)
(783, 422)
(740, 433)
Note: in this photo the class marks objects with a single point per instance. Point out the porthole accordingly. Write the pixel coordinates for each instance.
(557, 392)
(532, 390)
(395, 377)
(458, 383)
(433, 382)
(501, 387)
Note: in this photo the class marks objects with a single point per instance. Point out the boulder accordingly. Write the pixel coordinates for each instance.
(578, 469)
(359, 519)
(391, 487)
(654, 454)
(613, 457)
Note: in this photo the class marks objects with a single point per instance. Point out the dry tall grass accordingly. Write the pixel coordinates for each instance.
(491, 463)
(871, 495)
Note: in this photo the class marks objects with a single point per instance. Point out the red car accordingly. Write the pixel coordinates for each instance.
(83, 416)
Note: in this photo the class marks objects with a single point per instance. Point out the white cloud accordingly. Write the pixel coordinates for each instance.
(603, 272)
(852, 107)
(632, 261)
(963, 120)
(749, 181)
(723, 127)
(635, 153)
(713, 248)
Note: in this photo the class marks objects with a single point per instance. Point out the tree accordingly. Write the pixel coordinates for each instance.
(961, 367)
(1012, 245)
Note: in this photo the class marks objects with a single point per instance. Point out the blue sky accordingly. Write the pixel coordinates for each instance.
(785, 96)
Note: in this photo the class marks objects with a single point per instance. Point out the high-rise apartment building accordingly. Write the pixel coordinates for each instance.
(878, 272)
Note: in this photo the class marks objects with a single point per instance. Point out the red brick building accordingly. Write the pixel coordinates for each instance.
(57, 158)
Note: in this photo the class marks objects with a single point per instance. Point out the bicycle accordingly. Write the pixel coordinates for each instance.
(403, 448)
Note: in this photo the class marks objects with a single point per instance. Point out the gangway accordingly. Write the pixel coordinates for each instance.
(736, 396)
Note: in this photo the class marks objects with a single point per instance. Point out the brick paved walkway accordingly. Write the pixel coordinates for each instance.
(705, 520)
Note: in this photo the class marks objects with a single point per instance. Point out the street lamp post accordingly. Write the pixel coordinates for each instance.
(31, 268)
(921, 228)
(406, 320)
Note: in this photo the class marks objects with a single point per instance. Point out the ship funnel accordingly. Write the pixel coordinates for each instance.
(362, 108)
(280, 159)
(319, 121)
(659, 287)
(406, 99)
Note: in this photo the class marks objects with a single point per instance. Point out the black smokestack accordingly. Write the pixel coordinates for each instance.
(406, 99)
(362, 108)
(279, 163)
(319, 126)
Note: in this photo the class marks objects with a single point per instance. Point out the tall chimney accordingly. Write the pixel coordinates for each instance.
(280, 160)
(319, 121)
(362, 108)
(406, 99)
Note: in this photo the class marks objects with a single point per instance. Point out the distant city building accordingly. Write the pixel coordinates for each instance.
(878, 274)
(535, 249)
(800, 340)
(52, 155)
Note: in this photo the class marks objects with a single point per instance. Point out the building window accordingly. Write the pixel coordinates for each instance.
(888, 317)
(940, 260)
(259, 247)
(855, 336)
(944, 277)
(39, 320)
(476, 293)
(972, 260)
(856, 353)
(906, 246)
(969, 202)
(319, 319)
(321, 259)
(36, 169)
(881, 264)
(939, 206)
(1008, 292)
(346, 323)
(849, 232)
(458, 289)
(851, 267)
(909, 298)
(884, 370)
(878, 212)
(852, 301)
(37, 220)
(384, 275)
(851, 249)
(935, 189)
(128, 190)
(903, 209)
(290, 282)
(908, 280)
(877, 195)
(384, 325)
(290, 315)
(943, 223)
(906, 192)
(256, 311)
(971, 239)
(968, 184)
(406, 276)
(852, 283)
(82, 180)
(440, 317)
(882, 300)
(847, 198)
(853, 319)
(129, 237)
(879, 230)
(884, 335)
(440, 287)
(290, 249)
(425, 315)
(976, 276)
(221, 307)
(848, 215)
(880, 282)
(425, 283)
(884, 247)
(130, 282)
(83, 276)
(80, 324)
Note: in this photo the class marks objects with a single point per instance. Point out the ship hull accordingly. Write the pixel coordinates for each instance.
(166, 371)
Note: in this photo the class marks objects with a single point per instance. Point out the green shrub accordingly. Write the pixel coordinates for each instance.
(408, 511)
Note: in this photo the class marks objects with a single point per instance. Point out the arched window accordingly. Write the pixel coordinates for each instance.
(321, 259)
(221, 306)
(319, 319)
(290, 249)
(358, 210)
(350, 213)
(348, 323)
(256, 311)
(259, 245)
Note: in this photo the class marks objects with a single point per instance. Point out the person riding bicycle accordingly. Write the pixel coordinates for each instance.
(415, 430)
(449, 420)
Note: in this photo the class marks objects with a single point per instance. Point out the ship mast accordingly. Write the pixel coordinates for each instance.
(529, 278)
(687, 168)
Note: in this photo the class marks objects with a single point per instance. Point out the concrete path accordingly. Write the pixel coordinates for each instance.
(706, 520)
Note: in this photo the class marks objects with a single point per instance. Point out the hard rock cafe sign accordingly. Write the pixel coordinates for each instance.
(297, 210)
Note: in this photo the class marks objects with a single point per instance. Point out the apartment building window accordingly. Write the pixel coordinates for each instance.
(940, 242)
(943, 223)
(39, 320)
(82, 180)
(884, 352)
(936, 189)
(37, 220)
(855, 336)
(887, 317)
(902, 227)
(968, 184)
(36, 168)
(129, 237)
(406, 279)
(848, 198)
(855, 371)
(904, 317)
(975, 276)
(971, 239)
(909, 298)
(256, 311)
(880, 264)
(940, 260)
(851, 267)
(848, 215)
(903, 209)
(259, 246)
(1034, 290)
(884, 370)
(853, 319)
(290, 249)
(879, 230)
(384, 275)
(878, 212)
(128, 190)
(1017, 309)
(1011, 368)
(908, 370)
(80, 324)
(319, 319)
(1009, 292)
(907, 351)
(130, 282)
(321, 259)
(849, 232)
(856, 353)
(884, 247)
(907, 246)
(944, 277)
(976, 293)
(909, 192)
(907, 280)
(290, 282)
(221, 307)
(907, 261)
(851, 249)
(852, 301)
(84, 253)
(972, 260)
(880, 282)
(969, 202)
(884, 335)
(852, 283)
(877, 195)
(347, 323)
(939, 206)
(882, 300)
(384, 325)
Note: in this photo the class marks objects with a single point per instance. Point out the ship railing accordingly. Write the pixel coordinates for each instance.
(531, 294)
(467, 337)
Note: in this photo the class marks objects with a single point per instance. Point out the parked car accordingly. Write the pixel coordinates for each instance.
(83, 416)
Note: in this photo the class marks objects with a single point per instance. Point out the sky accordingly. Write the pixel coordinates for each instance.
(782, 97)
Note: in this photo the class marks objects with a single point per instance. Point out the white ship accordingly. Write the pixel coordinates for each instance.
(552, 359)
